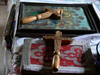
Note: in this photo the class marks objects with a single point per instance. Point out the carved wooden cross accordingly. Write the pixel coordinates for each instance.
(54, 13)
(57, 45)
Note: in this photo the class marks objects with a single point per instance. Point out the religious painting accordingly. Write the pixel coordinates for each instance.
(74, 18)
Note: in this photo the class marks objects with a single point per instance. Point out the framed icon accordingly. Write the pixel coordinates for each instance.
(76, 19)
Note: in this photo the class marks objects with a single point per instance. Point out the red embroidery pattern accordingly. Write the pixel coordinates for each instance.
(70, 55)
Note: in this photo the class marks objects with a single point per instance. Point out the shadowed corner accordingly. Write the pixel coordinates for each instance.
(91, 67)
(3, 2)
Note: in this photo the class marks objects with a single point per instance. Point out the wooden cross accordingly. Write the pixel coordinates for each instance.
(57, 45)
(54, 13)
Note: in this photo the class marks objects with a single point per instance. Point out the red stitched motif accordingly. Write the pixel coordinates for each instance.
(71, 55)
